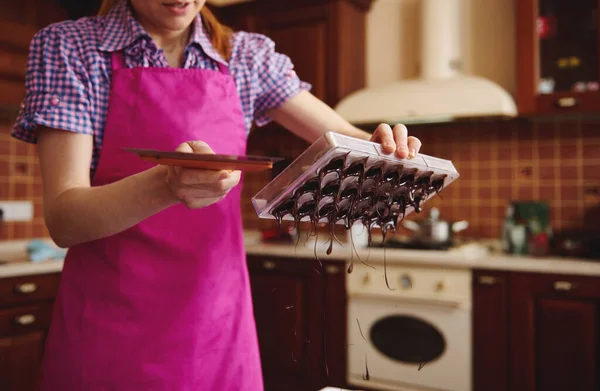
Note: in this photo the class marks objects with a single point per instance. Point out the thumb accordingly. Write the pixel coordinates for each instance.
(195, 146)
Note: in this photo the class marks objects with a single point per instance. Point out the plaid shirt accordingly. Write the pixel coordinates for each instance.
(69, 72)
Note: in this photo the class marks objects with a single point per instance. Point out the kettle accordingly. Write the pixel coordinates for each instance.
(433, 231)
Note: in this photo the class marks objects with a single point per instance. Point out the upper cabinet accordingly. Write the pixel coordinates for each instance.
(325, 39)
(558, 62)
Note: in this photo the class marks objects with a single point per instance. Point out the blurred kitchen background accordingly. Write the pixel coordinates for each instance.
(523, 131)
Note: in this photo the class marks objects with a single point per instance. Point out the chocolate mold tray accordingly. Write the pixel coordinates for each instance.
(344, 180)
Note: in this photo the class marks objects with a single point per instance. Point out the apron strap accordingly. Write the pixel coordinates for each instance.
(117, 60)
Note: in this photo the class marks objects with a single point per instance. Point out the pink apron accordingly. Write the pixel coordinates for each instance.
(165, 305)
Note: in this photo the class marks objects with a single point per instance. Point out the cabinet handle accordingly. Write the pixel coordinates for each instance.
(487, 280)
(566, 101)
(563, 286)
(332, 269)
(25, 320)
(269, 265)
(26, 288)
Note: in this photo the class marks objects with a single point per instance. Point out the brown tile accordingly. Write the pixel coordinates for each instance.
(545, 130)
(486, 212)
(485, 174)
(21, 191)
(590, 128)
(4, 188)
(40, 231)
(4, 168)
(568, 128)
(485, 193)
(525, 151)
(568, 172)
(570, 193)
(505, 153)
(4, 148)
(38, 190)
(568, 151)
(23, 149)
(569, 213)
(525, 193)
(504, 174)
(38, 209)
(547, 173)
(546, 152)
(22, 230)
(591, 172)
(591, 151)
(547, 192)
(505, 193)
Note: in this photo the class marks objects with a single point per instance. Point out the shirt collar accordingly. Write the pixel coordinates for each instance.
(122, 29)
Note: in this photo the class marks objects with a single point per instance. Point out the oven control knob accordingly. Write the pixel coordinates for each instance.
(366, 279)
(405, 281)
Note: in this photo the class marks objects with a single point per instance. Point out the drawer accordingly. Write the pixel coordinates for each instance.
(28, 289)
(25, 319)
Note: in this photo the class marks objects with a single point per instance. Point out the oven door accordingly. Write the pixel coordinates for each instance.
(409, 345)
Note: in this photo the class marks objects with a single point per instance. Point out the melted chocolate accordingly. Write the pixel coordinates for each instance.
(354, 192)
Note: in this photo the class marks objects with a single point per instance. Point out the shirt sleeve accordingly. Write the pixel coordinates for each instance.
(56, 87)
(275, 79)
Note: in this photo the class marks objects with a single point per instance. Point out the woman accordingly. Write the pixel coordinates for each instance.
(155, 292)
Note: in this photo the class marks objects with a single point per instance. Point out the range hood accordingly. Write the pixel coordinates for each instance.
(442, 93)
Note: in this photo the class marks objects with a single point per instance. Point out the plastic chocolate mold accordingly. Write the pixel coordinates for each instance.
(344, 180)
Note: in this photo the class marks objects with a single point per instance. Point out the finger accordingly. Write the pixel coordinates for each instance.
(383, 134)
(200, 147)
(401, 136)
(414, 146)
(194, 176)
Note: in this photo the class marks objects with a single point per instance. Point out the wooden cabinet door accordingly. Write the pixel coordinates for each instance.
(490, 330)
(20, 359)
(335, 324)
(553, 328)
(288, 308)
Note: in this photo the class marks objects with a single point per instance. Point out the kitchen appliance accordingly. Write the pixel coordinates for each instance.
(205, 161)
(416, 334)
(442, 93)
(432, 231)
(341, 179)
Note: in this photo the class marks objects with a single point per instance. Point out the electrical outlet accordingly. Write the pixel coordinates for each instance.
(16, 210)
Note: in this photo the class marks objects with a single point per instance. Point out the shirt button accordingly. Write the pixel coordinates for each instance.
(54, 101)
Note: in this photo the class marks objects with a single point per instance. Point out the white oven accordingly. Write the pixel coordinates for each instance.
(416, 337)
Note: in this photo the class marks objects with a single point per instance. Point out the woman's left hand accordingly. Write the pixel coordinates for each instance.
(397, 140)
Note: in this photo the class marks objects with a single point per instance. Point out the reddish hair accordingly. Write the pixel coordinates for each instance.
(220, 35)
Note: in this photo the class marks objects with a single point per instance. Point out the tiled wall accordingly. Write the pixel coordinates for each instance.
(556, 161)
(20, 180)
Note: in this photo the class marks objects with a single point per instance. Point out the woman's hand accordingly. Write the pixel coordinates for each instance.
(397, 140)
(198, 188)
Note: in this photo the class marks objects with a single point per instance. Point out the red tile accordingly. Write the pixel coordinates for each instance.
(547, 173)
(525, 151)
(485, 193)
(505, 193)
(505, 153)
(570, 193)
(568, 172)
(525, 193)
(21, 191)
(504, 173)
(591, 172)
(546, 152)
(568, 152)
(591, 151)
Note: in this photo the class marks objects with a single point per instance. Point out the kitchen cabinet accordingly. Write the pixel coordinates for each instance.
(300, 313)
(25, 312)
(536, 332)
(19, 21)
(558, 63)
(490, 331)
(325, 39)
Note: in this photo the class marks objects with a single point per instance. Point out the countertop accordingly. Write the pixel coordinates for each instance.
(478, 255)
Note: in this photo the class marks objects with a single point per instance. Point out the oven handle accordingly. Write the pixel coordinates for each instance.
(414, 300)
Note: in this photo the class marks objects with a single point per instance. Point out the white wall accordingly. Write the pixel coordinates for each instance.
(393, 41)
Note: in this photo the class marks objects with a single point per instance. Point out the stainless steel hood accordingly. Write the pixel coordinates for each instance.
(442, 93)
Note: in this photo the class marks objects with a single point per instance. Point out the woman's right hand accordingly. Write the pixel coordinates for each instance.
(197, 188)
